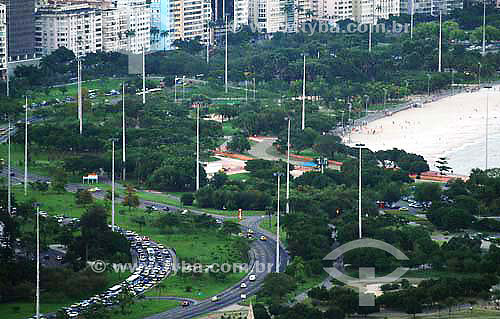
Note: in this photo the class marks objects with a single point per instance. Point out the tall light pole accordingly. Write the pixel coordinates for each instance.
(360, 146)
(440, 40)
(9, 190)
(197, 146)
(175, 89)
(246, 90)
(288, 169)
(123, 133)
(278, 175)
(183, 86)
(479, 76)
(367, 98)
(254, 89)
(428, 85)
(484, 27)
(304, 96)
(486, 129)
(208, 41)
(385, 97)
(143, 75)
(225, 58)
(80, 106)
(37, 262)
(113, 186)
(7, 77)
(412, 12)
(26, 147)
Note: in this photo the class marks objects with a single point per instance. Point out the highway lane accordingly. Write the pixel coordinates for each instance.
(262, 251)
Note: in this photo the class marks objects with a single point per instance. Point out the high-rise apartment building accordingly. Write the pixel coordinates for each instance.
(20, 25)
(370, 11)
(136, 17)
(268, 16)
(241, 11)
(335, 10)
(3, 40)
(430, 7)
(161, 25)
(78, 27)
(191, 19)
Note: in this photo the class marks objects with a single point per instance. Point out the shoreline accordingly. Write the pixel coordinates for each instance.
(447, 126)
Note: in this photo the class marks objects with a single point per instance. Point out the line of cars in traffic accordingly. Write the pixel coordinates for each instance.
(154, 263)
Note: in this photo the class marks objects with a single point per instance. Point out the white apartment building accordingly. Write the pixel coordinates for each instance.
(3, 40)
(369, 11)
(114, 28)
(241, 11)
(335, 10)
(431, 7)
(191, 19)
(269, 16)
(77, 27)
(135, 17)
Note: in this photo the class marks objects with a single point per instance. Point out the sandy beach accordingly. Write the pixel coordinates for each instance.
(454, 127)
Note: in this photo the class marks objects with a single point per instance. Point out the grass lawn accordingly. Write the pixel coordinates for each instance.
(39, 161)
(264, 224)
(228, 129)
(309, 282)
(143, 308)
(21, 310)
(199, 288)
(239, 177)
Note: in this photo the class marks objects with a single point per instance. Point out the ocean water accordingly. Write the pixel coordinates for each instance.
(473, 154)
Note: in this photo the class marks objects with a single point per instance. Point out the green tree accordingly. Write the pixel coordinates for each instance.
(131, 198)
(238, 144)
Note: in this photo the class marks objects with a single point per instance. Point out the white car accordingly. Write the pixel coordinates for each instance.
(215, 298)
(252, 277)
(243, 285)
(243, 296)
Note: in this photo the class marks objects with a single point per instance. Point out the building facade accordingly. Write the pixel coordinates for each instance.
(269, 16)
(136, 17)
(241, 13)
(3, 40)
(161, 25)
(21, 28)
(78, 27)
(191, 19)
(430, 7)
(370, 11)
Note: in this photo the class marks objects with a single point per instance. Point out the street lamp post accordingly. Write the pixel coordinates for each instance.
(197, 146)
(225, 58)
(385, 96)
(278, 175)
(486, 129)
(26, 147)
(367, 98)
(123, 133)
(37, 262)
(80, 106)
(412, 12)
(304, 96)
(143, 75)
(440, 41)
(428, 85)
(484, 27)
(288, 169)
(175, 89)
(479, 76)
(183, 86)
(113, 186)
(9, 178)
(360, 146)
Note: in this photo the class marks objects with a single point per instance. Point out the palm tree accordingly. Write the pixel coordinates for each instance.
(164, 34)
(154, 33)
(129, 34)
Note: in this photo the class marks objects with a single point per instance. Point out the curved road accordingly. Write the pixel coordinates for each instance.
(262, 255)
